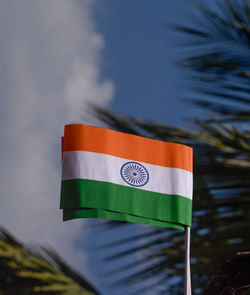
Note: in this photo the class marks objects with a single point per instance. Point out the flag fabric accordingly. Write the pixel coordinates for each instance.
(114, 175)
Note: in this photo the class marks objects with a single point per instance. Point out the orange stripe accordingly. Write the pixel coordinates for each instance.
(101, 140)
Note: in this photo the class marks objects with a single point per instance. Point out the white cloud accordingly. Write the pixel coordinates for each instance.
(49, 69)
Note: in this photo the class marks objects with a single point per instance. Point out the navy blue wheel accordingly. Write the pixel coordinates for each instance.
(134, 174)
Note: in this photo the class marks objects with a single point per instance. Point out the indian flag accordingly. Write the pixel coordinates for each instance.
(114, 175)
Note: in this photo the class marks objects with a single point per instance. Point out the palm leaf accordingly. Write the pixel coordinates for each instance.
(218, 69)
(36, 270)
(221, 204)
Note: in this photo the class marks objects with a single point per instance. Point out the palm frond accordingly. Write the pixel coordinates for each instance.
(218, 63)
(217, 66)
(221, 212)
(36, 270)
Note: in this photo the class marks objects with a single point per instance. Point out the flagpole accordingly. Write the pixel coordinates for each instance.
(187, 290)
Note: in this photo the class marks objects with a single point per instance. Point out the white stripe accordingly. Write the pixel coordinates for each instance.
(103, 167)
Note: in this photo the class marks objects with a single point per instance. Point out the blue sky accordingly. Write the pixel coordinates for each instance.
(140, 56)
(55, 58)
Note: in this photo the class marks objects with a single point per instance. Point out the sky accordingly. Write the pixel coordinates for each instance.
(140, 57)
(56, 57)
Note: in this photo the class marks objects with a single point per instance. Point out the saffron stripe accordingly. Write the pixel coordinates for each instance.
(101, 140)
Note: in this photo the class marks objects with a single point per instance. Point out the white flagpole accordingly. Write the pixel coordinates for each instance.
(187, 289)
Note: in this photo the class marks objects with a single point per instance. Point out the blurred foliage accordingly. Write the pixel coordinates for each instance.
(217, 67)
(233, 277)
(36, 270)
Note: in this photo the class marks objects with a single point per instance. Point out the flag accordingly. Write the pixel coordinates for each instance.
(119, 176)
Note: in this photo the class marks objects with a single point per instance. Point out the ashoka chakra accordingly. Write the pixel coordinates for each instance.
(134, 174)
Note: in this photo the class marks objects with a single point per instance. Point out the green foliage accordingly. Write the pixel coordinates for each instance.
(218, 69)
(36, 270)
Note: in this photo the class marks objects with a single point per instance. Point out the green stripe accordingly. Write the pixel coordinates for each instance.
(69, 214)
(83, 193)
